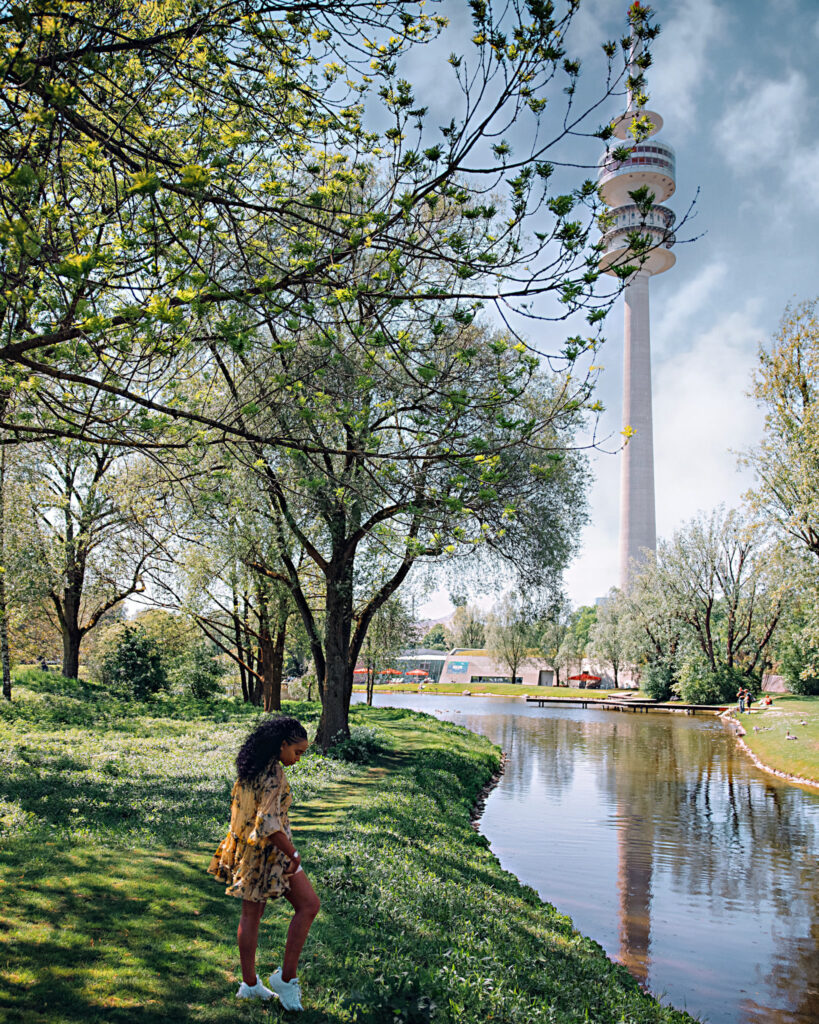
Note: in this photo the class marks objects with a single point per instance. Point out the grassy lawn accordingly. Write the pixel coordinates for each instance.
(109, 816)
(498, 689)
(765, 731)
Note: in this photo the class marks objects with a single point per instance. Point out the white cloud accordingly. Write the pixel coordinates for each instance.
(702, 416)
(757, 128)
(684, 302)
(682, 62)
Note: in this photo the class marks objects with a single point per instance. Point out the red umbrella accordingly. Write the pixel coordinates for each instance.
(390, 672)
(586, 677)
(417, 672)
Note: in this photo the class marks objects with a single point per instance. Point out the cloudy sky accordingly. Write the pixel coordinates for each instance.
(737, 84)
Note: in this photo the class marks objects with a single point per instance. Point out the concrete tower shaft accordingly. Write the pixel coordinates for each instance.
(638, 530)
(649, 164)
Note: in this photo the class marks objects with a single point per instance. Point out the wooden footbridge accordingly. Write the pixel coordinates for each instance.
(629, 704)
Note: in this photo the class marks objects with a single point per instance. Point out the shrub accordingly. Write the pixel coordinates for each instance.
(305, 688)
(133, 667)
(362, 745)
(698, 685)
(657, 681)
(199, 672)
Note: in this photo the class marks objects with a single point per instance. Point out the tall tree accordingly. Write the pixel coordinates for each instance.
(509, 634)
(468, 627)
(719, 590)
(435, 638)
(575, 645)
(611, 635)
(786, 461)
(392, 629)
(550, 635)
(239, 608)
(462, 444)
(94, 513)
(4, 604)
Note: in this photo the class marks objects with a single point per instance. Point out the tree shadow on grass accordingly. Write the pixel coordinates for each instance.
(123, 936)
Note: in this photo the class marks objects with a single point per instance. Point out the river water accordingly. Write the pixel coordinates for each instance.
(663, 842)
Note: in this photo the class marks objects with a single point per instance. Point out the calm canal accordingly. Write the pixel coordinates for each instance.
(663, 842)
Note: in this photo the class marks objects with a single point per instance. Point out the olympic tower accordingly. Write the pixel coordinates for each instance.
(651, 164)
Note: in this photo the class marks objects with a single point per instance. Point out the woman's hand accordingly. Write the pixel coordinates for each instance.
(295, 863)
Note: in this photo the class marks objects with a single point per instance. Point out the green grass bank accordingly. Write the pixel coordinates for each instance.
(766, 730)
(109, 815)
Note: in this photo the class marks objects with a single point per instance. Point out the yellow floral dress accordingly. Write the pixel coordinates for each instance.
(246, 861)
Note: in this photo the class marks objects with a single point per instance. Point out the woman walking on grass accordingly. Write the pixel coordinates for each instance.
(257, 859)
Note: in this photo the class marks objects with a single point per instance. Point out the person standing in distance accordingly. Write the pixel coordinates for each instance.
(257, 859)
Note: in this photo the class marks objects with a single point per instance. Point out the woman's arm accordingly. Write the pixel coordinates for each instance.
(281, 842)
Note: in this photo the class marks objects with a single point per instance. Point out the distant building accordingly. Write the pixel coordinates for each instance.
(424, 659)
(470, 665)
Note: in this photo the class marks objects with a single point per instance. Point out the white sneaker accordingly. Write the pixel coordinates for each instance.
(289, 992)
(257, 991)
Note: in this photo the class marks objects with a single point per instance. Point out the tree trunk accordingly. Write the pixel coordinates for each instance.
(272, 666)
(338, 678)
(370, 685)
(257, 684)
(267, 669)
(4, 631)
(240, 648)
(72, 638)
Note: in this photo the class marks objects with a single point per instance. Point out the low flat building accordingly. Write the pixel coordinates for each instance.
(475, 665)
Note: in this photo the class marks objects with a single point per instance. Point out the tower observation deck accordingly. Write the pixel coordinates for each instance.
(650, 163)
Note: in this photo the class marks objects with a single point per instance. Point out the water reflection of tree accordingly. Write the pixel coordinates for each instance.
(694, 819)
(793, 978)
(694, 816)
(543, 751)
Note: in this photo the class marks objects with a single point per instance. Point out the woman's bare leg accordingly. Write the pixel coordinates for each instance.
(303, 898)
(248, 936)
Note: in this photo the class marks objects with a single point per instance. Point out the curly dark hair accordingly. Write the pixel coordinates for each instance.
(265, 743)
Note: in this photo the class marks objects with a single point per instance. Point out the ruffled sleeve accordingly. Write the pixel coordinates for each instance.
(269, 814)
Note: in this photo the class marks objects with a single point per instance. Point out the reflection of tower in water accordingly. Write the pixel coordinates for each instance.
(635, 841)
(650, 165)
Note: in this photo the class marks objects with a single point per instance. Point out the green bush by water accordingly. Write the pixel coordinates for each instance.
(795, 653)
(658, 681)
(697, 685)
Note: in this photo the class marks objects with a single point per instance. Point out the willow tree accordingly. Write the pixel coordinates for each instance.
(720, 590)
